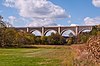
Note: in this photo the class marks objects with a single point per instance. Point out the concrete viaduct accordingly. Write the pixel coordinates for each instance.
(59, 29)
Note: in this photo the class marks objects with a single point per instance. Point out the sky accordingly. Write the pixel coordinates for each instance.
(34, 13)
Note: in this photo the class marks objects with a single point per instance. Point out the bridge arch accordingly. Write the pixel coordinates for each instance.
(48, 32)
(84, 30)
(36, 32)
(67, 31)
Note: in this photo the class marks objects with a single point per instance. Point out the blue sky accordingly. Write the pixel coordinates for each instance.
(82, 12)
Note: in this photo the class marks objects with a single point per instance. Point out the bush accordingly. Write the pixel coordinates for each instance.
(70, 41)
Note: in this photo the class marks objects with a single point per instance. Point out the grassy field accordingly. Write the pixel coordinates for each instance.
(49, 56)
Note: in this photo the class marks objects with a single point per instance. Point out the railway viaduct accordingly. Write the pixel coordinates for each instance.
(58, 29)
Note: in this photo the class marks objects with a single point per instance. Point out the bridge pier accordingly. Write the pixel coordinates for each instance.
(42, 31)
(59, 30)
(27, 29)
(77, 28)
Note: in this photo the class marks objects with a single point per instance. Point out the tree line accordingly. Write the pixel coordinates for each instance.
(11, 38)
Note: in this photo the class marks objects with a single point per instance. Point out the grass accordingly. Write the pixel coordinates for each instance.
(52, 56)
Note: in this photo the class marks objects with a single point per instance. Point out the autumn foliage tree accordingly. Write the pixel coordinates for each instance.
(7, 37)
(10, 38)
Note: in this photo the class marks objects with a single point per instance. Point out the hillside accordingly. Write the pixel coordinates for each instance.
(88, 53)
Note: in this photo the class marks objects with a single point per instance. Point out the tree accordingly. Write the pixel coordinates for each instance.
(38, 40)
(56, 39)
(1, 36)
(7, 37)
(44, 40)
(2, 23)
(12, 38)
(94, 31)
(24, 38)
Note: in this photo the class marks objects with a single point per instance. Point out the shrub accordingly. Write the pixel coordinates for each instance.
(70, 41)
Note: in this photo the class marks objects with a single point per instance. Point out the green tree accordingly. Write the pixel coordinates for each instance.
(56, 39)
(44, 40)
(38, 40)
(94, 31)
(83, 37)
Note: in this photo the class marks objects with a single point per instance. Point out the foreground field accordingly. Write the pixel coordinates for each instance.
(46, 56)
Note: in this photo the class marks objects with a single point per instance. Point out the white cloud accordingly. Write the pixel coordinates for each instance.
(96, 3)
(74, 25)
(42, 22)
(96, 20)
(11, 19)
(38, 10)
(92, 21)
(9, 3)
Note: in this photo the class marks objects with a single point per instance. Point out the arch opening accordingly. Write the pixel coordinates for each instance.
(68, 33)
(36, 33)
(84, 31)
(49, 32)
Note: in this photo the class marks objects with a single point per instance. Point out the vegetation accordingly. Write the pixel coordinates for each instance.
(84, 36)
(56, 39)
(51, 56)
(89, 53)
(93, 48)
(12, 38)
(48, 55)
(2, 24)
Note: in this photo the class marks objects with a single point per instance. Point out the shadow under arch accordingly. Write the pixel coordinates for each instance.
(68, 32)
(48, 32)
(36, 32)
